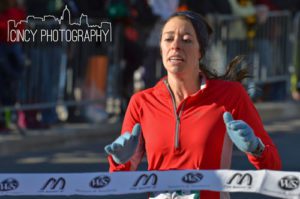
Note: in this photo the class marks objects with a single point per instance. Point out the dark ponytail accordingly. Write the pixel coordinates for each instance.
(233, 72)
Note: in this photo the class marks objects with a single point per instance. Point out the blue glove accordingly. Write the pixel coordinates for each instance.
(124, 146)
(241, 134)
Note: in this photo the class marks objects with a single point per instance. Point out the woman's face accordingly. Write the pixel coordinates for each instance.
(179, 47)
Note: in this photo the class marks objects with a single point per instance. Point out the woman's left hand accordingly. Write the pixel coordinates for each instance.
(241, 134)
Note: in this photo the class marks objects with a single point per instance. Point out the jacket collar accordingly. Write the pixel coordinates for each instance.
(162, 90)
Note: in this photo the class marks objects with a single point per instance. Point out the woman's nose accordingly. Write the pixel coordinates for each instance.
(176, 44)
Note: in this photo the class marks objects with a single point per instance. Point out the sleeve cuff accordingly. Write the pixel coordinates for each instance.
(117, 167)
(259, 149)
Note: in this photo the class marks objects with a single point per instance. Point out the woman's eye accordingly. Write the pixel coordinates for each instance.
(186, 40)
(168, 39)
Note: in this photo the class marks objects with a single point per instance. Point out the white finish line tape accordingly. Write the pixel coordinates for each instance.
(274, 183)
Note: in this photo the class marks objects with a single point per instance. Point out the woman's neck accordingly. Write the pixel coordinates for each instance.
(183, 87)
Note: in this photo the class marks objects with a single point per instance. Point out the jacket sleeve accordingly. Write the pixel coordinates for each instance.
(132, 116)
(247, 112)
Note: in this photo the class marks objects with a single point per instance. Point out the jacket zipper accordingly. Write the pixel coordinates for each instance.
(177, 116)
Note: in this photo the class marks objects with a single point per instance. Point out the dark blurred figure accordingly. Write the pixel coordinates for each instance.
(11, 58)
(152, 60)
(278, 90)
(38, 7)
(291, 5)
(129, 19)
(39, 66)
(89, 62)
(205, 7)
(141, 20)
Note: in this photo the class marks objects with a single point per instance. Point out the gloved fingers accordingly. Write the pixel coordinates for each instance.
(122, 139)
(108, 149)
(227, 117)
(240, 143)
(248, 137)
(240, 133)
(234, 136)
(126, 136)
(237, 135)
(136, 131)
(245, 132)
(243, 138)
(238, 124)
(115, 147)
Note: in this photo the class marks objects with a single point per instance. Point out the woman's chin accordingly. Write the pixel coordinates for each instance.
(176, 70)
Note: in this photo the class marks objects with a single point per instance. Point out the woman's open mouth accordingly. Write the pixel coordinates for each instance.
(176, 59)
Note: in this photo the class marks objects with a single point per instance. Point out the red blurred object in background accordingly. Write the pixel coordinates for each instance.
(12, 13)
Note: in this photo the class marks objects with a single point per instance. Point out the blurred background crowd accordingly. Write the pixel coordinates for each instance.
(44, 84)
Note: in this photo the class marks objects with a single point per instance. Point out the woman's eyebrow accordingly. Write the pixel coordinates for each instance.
(169, 32)
(172, 32)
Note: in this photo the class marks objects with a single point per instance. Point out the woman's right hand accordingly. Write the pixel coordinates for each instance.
(124, 146)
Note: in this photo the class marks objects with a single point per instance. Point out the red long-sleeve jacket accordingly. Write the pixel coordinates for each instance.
(193, 135)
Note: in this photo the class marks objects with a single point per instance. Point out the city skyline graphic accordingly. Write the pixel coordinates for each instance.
(95, 30)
